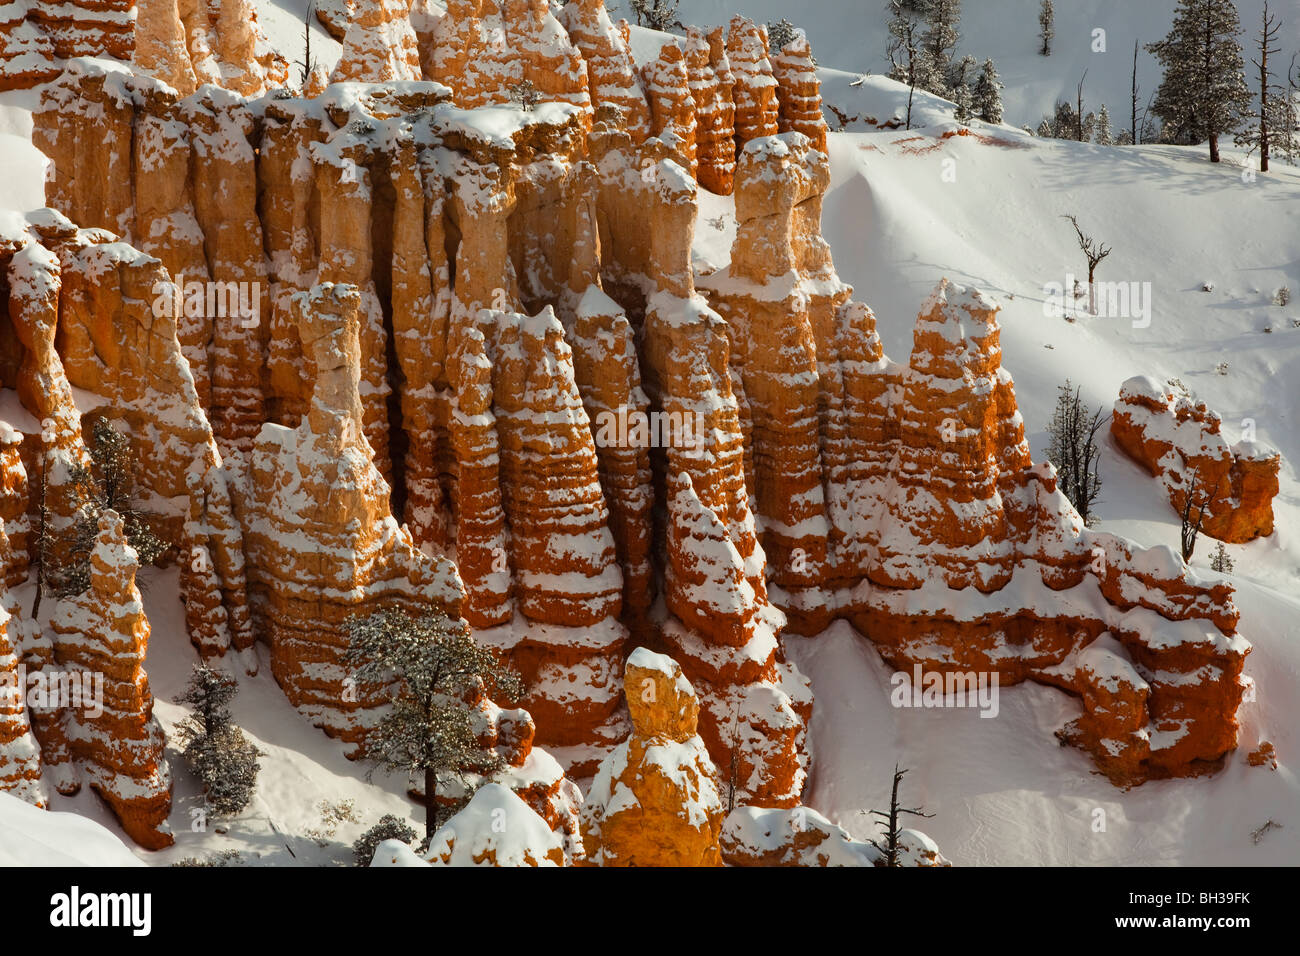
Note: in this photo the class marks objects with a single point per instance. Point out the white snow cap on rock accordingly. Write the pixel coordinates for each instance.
(496, 828)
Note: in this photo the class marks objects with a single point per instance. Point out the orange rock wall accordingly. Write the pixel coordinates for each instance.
(1180, 443)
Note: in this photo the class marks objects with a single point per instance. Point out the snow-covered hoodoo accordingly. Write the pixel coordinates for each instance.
(439, 281)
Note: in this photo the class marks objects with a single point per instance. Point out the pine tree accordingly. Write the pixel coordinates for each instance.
(940, 40)
(655, 14)
(390, 827)
(1219, 560)
(1073, 450)
(1045, 128)
(426, 665)
(1065, 123)
(108, 484)
(962, 97)
(1102, 135)
(1046, 27)
(988, 95)
(215, 749)
(1203, 92)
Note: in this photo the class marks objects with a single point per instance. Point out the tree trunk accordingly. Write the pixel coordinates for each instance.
(430, 803)
(1214, 147)
(1134, 118)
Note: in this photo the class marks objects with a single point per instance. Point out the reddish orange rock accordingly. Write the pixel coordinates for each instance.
(100, 639)
(379, 44)
(798, 92)
(654, 801)
(20, 756)
(757, 108)
(321, 543)
(26, 53)
(672, 105)
(611, 74)
(715, 112)
(1179, 441)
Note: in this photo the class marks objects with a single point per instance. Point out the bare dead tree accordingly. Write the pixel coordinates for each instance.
(1079, 107)
(1094, 252)
(1267, 36)
(890, 821)
(1073, 449)
(1133, 119)
(307, 63)
(1195, 505)
(904, 41)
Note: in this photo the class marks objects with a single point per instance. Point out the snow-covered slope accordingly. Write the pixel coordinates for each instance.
(32, 837)
(851, 35)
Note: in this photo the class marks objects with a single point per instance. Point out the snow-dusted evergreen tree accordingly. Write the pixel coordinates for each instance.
(1046, 27)
(940, 41)
(389, 827)
(1074, 451)
(215, 749)
(1203, 93)
(1064, 124)
(779, 34)
(988, 94)
(426, 665)
(655, 14)
(1219, 560)
(1045, 128)
(963, 97)
(1102, 133)
(108, 484)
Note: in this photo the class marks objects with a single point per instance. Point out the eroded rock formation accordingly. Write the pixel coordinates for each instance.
(655, 801)
(100, 640)
(379, 44)
(1179, 441)
(320, 542)
(496, 828)
(530, 772)
(526, 317)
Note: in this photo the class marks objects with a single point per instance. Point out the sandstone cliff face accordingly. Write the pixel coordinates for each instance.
(26, 52)
(1179, 441)
(103, 28)
(103, 635)
(672, 105)
(715, 110)
(654, 801)
(485, 49)
(320, 542)
(379, 44)
(611, 74)
(798, 92)
(757, 108)
(20, 755)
